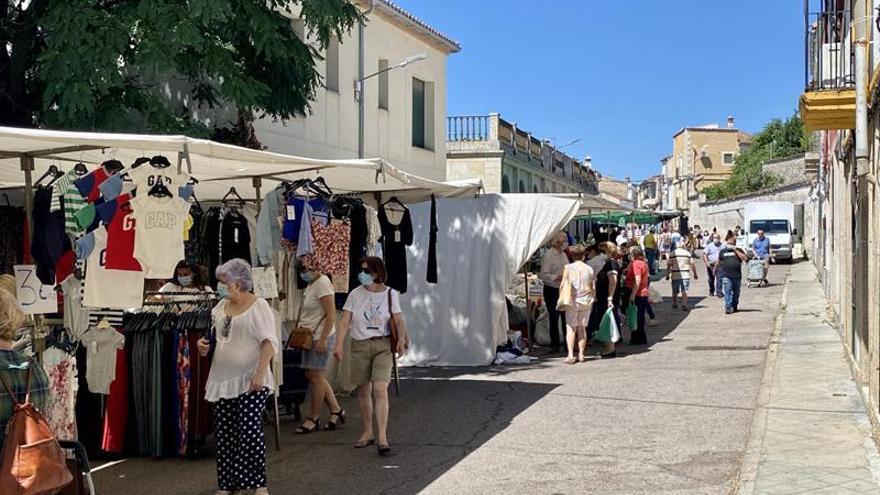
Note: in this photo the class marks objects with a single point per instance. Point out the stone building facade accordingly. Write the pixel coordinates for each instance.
(511, 160)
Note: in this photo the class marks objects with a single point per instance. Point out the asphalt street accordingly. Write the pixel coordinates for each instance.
(672, 417)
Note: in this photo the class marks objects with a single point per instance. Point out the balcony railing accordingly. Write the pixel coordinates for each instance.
(828, 52)
(468, 128)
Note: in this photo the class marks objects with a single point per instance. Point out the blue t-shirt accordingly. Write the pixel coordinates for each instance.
(293, 214)
(761, 247)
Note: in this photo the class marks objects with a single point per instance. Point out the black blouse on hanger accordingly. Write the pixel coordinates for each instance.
(395, 238)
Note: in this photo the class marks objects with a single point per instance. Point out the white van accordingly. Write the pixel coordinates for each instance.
(779, 221)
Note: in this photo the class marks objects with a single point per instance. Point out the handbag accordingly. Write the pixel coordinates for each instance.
(302, 337)
(32, 462)
(565, 294)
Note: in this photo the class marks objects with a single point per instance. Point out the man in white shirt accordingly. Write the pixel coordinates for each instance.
(680, 269)
(622, 238)
(552, 264)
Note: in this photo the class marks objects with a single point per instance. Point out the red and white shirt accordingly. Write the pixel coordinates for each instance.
(118, 216)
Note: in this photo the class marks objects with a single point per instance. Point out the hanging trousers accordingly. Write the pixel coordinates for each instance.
(241, 442)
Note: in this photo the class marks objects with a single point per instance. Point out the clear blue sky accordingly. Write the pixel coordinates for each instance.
(623, 76)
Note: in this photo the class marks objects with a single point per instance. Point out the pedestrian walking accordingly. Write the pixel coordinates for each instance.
(318, 317)
(680, 270)
(240, 378)
(665, 244)
(368, 314)
(650, 245)
(763, 251)
(640, 276)
(606, 283)
(731, 259)
(583, 286)
(552, 264)
(710, 258)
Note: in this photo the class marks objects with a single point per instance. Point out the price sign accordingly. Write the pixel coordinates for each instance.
(34, 297)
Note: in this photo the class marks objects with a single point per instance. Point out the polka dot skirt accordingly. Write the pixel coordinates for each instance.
(241, 442)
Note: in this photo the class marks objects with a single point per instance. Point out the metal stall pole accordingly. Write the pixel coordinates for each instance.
(27, 166)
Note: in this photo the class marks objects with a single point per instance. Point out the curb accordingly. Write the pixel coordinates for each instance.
(746, 479)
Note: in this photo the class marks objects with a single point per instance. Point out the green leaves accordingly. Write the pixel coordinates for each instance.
(154, 65)
(778, 139)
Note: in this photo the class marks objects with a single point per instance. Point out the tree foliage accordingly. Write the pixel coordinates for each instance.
(161, 65)
(778, 139)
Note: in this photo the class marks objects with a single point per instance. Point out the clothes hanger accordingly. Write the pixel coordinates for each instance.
(235, 200)
(395, 204)
(140, 161)
(53, 173)
(80, 169)
(159, 161)
(160, 191)
(112, 166)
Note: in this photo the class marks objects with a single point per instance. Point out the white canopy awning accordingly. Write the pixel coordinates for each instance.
(217, 166)
(592, 204)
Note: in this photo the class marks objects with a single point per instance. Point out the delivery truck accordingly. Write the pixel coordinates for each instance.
(781, 222)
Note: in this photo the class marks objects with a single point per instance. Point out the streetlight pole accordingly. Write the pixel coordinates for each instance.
(359, 94)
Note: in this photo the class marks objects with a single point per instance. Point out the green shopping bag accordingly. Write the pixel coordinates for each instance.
(608, 331)
(632, 314)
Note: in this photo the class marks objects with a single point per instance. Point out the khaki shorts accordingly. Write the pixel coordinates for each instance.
(371, 361)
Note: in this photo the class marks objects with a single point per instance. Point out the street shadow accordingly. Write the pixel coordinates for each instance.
(667, 320)
(435, 424)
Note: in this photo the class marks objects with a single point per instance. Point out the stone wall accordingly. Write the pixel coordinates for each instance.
(793, 169)
(727, 214)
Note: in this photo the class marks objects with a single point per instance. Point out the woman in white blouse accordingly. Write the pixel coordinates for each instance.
(244, 342)
(583, 287)
(368, 313)
(319, 315)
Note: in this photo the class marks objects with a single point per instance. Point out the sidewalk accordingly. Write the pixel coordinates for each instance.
(811, 433)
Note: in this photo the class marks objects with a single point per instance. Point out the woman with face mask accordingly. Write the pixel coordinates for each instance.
(318, 314)
(187, 278)
(244, 341)
(367, 314)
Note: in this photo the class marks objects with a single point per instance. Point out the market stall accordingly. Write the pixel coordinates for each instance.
(107, 218)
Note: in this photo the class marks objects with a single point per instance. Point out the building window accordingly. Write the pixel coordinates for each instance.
(544, 185)
(332, 59)
(535, 188)
(383, 84)
(505, 185)
(728, 159)
(522, 186)
(422, 114)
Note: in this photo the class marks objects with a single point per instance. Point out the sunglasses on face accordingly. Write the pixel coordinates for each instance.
(224, 330)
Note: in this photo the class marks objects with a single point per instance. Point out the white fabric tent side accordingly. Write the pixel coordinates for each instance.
(481, 244)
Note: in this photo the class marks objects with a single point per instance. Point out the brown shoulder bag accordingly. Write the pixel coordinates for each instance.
(32, 462)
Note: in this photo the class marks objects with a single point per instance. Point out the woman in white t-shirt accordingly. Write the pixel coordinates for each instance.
(368, 313)
(319, 315)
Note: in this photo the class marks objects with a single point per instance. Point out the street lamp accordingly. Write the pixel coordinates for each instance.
(359, 96)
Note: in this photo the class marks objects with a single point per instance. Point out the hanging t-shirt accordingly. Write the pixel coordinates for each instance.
(147, 176)
(116, 185)
(102, 344)
(88, 185)
(105, 288)
(369, 312)
(119, 218)
(235, 237)
(293, 213)
(158, 244)
(395, 238)
(76, 317)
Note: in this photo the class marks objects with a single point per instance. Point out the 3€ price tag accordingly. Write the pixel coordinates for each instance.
(34, 297)
(291, 212)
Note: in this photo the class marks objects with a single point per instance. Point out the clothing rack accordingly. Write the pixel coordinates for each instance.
(207, 297)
